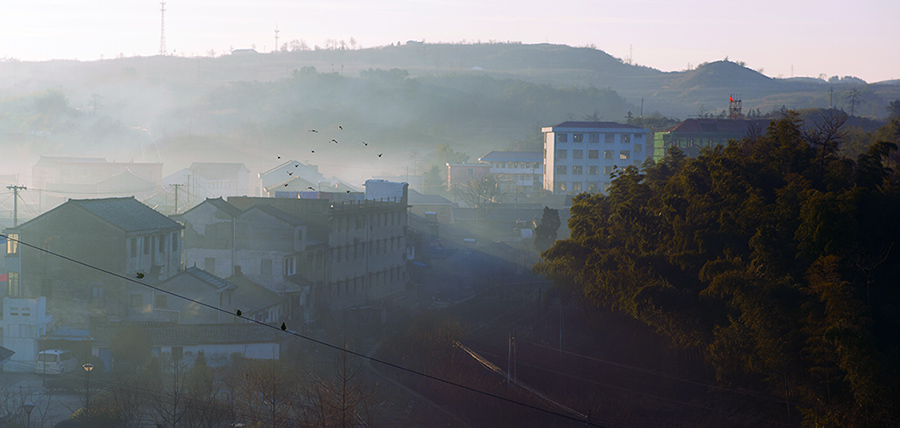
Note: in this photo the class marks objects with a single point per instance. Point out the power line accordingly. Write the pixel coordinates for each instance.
(316, 341)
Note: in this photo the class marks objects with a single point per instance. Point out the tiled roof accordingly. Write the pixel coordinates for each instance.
(215, 281)
(511, 156)
(251, 295)
(51, 161)
(194, 334)
(571, 124)
(417, 198)
(277, 213)
(126, 213)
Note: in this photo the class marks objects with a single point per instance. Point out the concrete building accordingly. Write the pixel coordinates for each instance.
(118, 235)
(461, 174)
(579, 156)
(692, 135)
(60, 178)
(24, 322)
(519, 173)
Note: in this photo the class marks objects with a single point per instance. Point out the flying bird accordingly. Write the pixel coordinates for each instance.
(348, 191)
(311, 151)
(365, 143)
(313, 130)
(340, 127)
(334, 141)
(299, 164)
(279, 157)
(290, 173)
(139, 275)
(311, 188)
(283, 327)
(238, 312)
(379, 155)
(285, 184)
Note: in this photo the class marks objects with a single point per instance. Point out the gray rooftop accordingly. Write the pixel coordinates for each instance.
(127, 214)
(512, 156)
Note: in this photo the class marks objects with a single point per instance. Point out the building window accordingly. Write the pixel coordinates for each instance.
(637, 148)
(593, 186)
(12, 284)
(132, 251)
(562, 138)
(12, 243)
(576, 186)
(136, 301)
(593, 154)
(624, 155)
(560, 170)
(626, 138)
(174, 241)
(594, 137)
(160, 301)
(593, 170)
(561, 154)
(146, 240)
(577, 138)
(609, 138)
(561, 187)
(607, 154)
(577, 154)
(607, 170)
(577, 170)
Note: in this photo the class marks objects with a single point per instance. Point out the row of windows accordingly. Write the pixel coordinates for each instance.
(352, 252)
(591, 169)
(594, 137)
(148, 242)
(383, 219)
(595, 154)
(516, 164)
(357, 284)
(578, 186)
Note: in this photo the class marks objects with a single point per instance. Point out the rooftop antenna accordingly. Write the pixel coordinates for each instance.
(276, 38)
(162, 30)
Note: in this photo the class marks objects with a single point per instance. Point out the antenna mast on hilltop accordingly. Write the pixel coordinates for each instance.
(734, 107)
(276, 38)
(162, 30)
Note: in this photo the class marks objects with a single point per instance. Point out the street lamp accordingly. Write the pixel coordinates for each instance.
(87, 390)
(28, 406)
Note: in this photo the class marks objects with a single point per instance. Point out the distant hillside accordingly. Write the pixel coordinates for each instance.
(410, 97)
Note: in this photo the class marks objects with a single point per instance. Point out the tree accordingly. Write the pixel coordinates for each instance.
(483, 195)
(545, 232)
(893, 109)
(434, 179)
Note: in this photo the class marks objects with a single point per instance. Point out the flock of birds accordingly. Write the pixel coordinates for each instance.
(335, 141)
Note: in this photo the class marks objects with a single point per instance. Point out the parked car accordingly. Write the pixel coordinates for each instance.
(56, 361)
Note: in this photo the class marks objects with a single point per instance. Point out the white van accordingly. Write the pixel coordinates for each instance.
(56, 361)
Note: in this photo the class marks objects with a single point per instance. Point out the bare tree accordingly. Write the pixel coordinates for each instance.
(483, 195)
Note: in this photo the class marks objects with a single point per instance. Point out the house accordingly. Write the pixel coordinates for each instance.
(155, 304)
(297, 175)
(218, 343)
(580, 156)
(110, 235)
(431, 206)
(24, 322)
(78, 177)
(692, 135)
(519, 172)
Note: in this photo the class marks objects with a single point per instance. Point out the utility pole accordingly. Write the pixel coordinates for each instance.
(15, 190)
(176, 186)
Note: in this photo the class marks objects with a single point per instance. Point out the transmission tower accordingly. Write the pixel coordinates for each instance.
(276, 39)
(162, 30)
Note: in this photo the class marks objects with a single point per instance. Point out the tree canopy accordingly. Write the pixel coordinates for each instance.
(775, 256)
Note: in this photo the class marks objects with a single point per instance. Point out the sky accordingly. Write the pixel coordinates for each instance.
(782, 38)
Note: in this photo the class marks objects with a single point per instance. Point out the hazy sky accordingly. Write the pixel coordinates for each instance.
(830, 37)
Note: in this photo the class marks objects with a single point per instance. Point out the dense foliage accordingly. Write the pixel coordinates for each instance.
(775, 256)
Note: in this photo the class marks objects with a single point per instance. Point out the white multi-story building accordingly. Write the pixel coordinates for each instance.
(580, 156)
